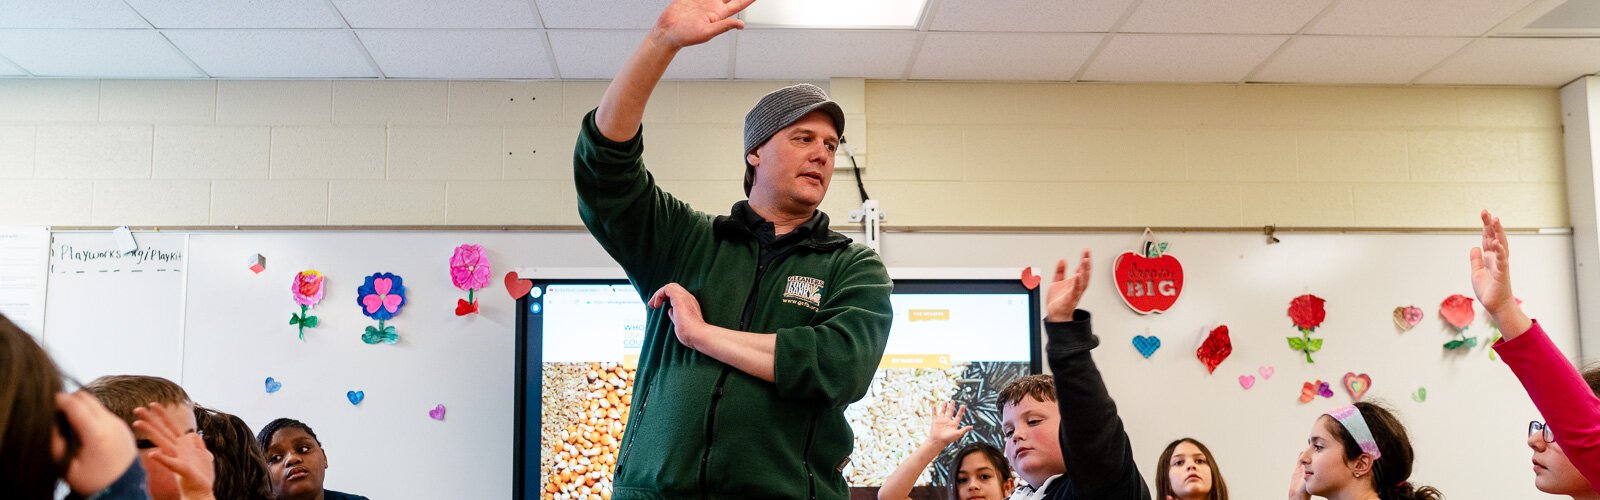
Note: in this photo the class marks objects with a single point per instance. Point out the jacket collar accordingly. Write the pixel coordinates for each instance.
(746, 222)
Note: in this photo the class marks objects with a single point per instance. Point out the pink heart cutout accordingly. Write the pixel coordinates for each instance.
(1247, 381)
(372, 303)
(1266, 371)
(382, 285)
(437, 413)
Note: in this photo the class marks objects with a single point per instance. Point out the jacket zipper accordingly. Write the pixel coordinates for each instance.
(716, 392)
(644, 402)
(805, 460)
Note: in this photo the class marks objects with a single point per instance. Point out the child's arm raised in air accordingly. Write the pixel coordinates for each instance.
(1094, 443)
(945, 429)
(1569, 406)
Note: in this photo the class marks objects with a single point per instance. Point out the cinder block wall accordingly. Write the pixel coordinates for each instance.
(114, 152)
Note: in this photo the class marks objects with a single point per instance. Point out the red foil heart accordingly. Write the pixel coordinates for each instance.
(1216, 348)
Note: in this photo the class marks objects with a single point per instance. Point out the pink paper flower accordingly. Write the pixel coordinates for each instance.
(469, 268)
(1457, 310)
(307, 287)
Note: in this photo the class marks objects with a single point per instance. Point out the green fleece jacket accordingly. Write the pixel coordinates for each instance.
(700, 428)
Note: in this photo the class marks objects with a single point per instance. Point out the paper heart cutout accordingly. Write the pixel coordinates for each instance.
(1247, 381)
(273, 385)
(517, 286)
(1420, 395)
(355, 397)
(1307, 393)
(1215, 349)
(437, 413)
(1324, 390)
(1029, 280)
(464, 308)
(1357, 385)
(1407, 317)
(1266, 371)
(1146, 345)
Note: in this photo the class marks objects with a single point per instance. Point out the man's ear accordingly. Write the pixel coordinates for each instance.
(753, 158)
(324, 452)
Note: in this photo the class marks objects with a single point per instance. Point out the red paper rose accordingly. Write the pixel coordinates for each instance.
(1457, 310)
(1306, 311)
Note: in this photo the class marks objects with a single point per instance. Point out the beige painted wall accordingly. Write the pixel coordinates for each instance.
(113, 152)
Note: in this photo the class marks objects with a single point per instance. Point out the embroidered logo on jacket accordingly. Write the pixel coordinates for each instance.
(803, 291)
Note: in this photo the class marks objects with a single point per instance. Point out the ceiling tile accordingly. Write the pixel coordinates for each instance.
(1518, 61)
(459, 54)
(1340, 59)
(601, 14)
(1222, 16)
(1028, 15)
(437, 13)
(65, 14)
(274, 53)
(1415, 17)
(95, 53)
(599, 55)
(1180, 58)
(238, 13)
(1002, 56)
(780, 54)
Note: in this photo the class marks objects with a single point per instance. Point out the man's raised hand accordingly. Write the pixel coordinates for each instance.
(693, 22)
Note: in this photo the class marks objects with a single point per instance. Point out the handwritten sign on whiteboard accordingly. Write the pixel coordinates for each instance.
(97, 253)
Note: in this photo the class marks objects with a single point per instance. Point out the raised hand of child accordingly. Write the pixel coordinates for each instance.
(1063, 294)
(107, 448)
(183, 452)
(1491, 279)
(946, 427)
(1297, 482)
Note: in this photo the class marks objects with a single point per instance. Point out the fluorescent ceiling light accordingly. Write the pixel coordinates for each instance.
(883, 14)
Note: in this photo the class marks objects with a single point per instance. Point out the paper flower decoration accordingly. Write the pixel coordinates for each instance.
(1307, 313)
(307, 290)
(1458, 313)
(469, 270)
(380, 298)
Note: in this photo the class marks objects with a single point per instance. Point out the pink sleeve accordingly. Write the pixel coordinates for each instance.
(1569, 407)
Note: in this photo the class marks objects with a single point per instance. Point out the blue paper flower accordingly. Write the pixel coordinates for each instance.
(381, 296)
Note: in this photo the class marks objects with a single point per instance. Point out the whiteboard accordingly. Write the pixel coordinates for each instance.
(1468, 434)
(110, 313)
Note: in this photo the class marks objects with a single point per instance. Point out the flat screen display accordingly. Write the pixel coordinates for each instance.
(579, 343)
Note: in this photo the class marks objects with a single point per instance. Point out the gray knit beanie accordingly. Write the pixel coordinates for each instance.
(779, 109)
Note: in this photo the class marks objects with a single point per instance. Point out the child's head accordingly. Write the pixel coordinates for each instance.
(1362, 447)
(1031, 424)
(980, 473)
(29, 382)
(1192, 473)
(1553, 473)
(296, 462)
(122, 393)
(241, 466)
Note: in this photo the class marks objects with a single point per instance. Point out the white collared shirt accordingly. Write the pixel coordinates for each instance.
(1028, 492)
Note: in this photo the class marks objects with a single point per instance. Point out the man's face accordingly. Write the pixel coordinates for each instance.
(794, 167)
(1032, 430)
(163, 483)
(296, 464)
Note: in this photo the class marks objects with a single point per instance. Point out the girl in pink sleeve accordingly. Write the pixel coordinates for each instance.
(1566, 447)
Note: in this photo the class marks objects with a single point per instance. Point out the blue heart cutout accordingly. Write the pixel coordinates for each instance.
(1146, 345)
(355, 397)
(273, 385)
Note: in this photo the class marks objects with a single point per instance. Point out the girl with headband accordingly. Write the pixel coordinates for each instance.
(1568, 403)
(1357, 452)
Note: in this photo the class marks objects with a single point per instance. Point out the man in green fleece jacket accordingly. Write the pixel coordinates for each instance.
(765, 324)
